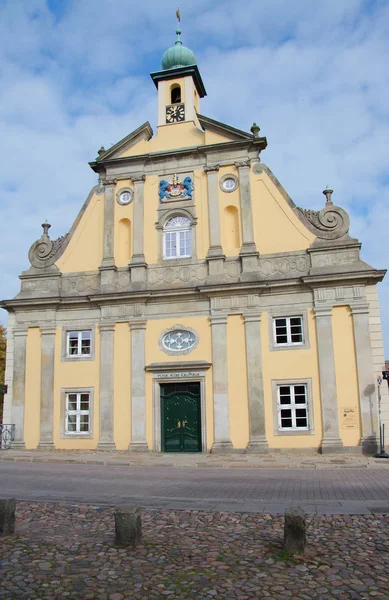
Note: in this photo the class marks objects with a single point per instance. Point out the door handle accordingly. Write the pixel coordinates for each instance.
(178, 424)
(184, 423)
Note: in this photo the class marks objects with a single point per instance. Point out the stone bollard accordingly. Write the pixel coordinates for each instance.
(7, 516)
(295, 530)
(128, 526)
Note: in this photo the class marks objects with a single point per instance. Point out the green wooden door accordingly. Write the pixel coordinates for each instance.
(181, 417)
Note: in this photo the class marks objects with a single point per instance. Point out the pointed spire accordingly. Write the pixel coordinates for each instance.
(328, 193)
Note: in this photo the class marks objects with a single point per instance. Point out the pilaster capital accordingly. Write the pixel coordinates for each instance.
(360, 308)
(109, 181)
(138, 178)
(48, 330)
(137, 324)
(20, 331)
(218, 319)
(243, 164)
(211, 168)
(254, 317)
(108, 326)
(323, 311)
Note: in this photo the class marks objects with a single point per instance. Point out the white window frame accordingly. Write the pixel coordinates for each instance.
(79, 353)
(289, 341)
(78, 413)
(293, 431)
(292, 406)
(176, 231)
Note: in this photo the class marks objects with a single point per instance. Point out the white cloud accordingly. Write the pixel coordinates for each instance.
(311, 74)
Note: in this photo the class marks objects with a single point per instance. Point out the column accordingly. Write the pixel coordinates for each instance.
(329, 403)
(19, 384)
(366, 380)
(138, 386)
(107, 333)
(258, 442)
(221, 411)
(107, 267)
(215, 254)
(248, 251)
(47, 387)
(138, 264)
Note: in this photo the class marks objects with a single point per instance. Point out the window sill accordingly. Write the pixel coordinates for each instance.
(289, 347)
(294, 433)
(77, 358)
(76, 436)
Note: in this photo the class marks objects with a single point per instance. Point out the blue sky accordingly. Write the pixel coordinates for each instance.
(75, 76)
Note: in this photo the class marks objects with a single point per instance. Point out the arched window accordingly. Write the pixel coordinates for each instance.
(177, 238)
(175, 94)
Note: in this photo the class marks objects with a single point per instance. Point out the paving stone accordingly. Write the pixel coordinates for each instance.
(67, 551)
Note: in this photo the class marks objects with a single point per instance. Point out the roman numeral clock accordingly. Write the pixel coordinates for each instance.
(175, 113)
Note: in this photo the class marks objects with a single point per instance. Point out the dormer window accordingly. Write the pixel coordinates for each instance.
(175, 94)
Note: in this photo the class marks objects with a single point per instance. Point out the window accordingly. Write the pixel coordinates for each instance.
(177, 238)
(175, 94)
(292, 402)
(79, 343)
(77, 413)
(288, 331)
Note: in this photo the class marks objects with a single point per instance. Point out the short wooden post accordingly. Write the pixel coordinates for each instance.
(295, 530)
(128, 526)
(7, 516)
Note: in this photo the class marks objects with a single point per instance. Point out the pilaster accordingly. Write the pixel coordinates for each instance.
(221, 409)
(107, 267)
(47, 387)
(107, 332)
(248, 251)
(366, 380)
(138, 386)
(329, 403)
(138, 263)
(215, 256)
(257, 442)
(19, 384)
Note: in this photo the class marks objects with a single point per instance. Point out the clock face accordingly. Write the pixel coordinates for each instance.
(175, 113)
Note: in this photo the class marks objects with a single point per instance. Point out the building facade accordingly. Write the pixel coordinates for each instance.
(193, 306)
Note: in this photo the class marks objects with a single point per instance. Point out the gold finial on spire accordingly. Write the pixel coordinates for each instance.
(178, 15)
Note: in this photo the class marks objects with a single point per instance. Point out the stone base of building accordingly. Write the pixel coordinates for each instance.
(257, 447)
(138, 447)
(46, 446)
(18, 445)
(106, 446)
(332, 446)
(370, 444)
(222, 447)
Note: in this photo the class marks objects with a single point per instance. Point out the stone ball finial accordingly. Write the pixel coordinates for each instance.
(328, 193)
(255, 129)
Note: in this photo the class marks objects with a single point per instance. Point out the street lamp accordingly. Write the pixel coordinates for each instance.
(381, 453)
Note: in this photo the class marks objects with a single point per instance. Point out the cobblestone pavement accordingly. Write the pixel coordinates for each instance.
(67, 551)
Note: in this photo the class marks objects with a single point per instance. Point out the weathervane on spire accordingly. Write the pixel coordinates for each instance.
(178, 15)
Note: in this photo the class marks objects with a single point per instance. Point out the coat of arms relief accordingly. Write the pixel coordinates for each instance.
(175, 189)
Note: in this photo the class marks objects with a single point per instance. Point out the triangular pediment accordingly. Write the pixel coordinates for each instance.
(143, 133)
(224, 131)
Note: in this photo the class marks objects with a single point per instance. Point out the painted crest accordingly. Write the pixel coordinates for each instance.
(175, 189)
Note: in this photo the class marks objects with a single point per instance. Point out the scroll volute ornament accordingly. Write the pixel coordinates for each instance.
(330, 223)
(44, 252)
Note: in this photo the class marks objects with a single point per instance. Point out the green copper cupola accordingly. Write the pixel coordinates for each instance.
(178, 55)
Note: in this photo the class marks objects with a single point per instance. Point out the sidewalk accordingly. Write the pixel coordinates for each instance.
(204, 461)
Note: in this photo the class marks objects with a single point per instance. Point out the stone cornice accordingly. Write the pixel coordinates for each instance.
(368, 276)
(190, 365)
(143, 159)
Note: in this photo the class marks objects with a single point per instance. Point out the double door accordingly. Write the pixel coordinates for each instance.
(181, 417)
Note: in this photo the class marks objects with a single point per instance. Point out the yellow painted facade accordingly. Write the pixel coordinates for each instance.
(257, 296)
